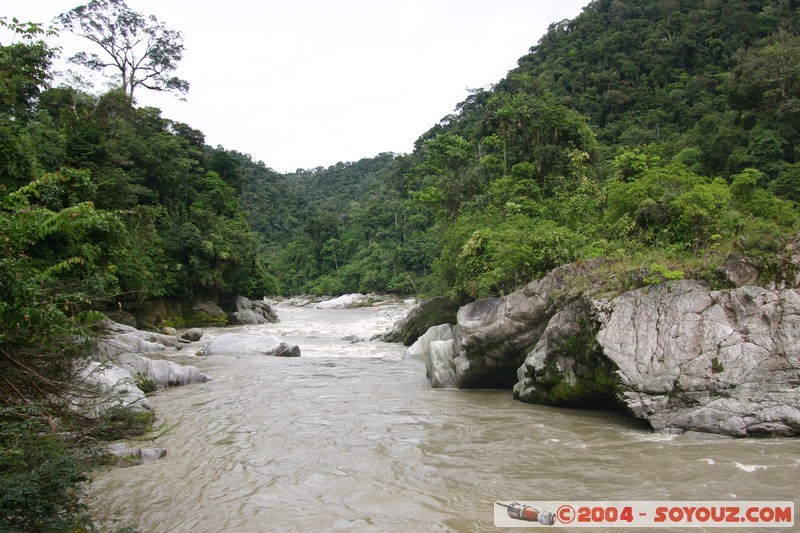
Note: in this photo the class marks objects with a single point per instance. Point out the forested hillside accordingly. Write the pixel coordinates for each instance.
(658, 134)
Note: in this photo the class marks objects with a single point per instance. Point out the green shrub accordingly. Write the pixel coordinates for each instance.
(41, 479)
(498, 257)
(120, 423)
(659, 273)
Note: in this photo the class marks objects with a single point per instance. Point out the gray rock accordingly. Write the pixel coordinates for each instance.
(678, 355)
(497, 333)
(302, 301)
(208, 313)
(253, 312)
(442, 363)
(346, 301)
(419, 319)
(122, 369)
(193, 335)
(287, 350)
(247, 316)
(564, 366)
(132, 455)
(738, 270)
(117, 384)
(121, 338)
(160, 372)
(692, 359)
(420, 348)
(238, 344)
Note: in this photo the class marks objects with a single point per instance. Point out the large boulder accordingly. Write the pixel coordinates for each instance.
(237, 344)
(420, 318)
(121, 338)
(118, 385)
(497, 333)
(253, 312)
(193, 334)
(160, 373)
(678, 355)
(347, 301)
(716, 361)
(206, 313)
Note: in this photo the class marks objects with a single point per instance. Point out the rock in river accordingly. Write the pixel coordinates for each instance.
(253, 312)
(679, 355)
(236, 344)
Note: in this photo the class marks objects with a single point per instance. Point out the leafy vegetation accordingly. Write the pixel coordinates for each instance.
(103, 206)
(40, 478)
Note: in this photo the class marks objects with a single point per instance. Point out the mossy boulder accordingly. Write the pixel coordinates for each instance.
(420, 318)
(566, 367)
(205, 313)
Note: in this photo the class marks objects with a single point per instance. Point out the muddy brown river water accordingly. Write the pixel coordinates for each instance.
(350, 437)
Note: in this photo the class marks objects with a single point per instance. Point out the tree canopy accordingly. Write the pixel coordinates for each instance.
(141, 50)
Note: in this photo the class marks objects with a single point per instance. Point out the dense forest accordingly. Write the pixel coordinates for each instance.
(658, 134)
(661, 135)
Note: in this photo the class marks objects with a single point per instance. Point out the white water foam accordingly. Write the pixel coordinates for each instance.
(749, 468)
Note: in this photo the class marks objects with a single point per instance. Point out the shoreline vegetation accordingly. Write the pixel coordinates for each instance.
(658, 137)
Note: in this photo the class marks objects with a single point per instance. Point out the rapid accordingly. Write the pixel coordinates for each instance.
(350, 437)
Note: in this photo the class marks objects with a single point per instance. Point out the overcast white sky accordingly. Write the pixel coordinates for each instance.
(307, 83)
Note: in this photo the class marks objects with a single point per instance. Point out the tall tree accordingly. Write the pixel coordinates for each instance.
(142, 50)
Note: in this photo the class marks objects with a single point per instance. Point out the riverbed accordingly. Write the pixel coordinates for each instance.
(350, 437)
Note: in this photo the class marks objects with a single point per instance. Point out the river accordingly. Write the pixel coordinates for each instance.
(350, 437)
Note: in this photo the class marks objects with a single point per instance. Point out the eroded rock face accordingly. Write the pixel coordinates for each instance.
(122, 368)
(121, 338)
(678, 355)
(433, 312)
(419, 349)
(118, 384)
(497, 333)
(443, 363)
(160, 372)
(438, 347)
(716, 361)
(566, 366)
